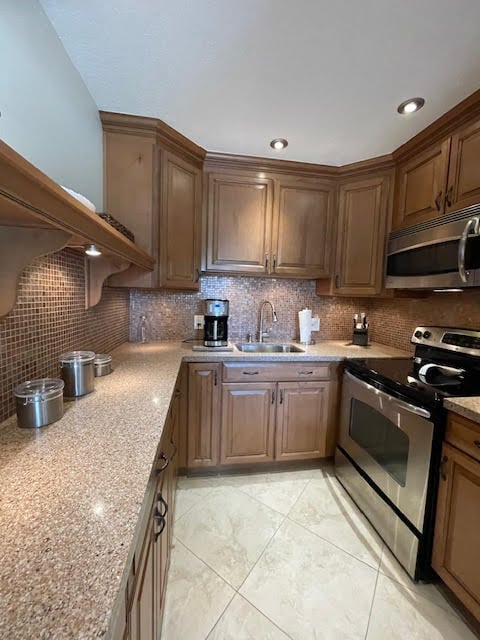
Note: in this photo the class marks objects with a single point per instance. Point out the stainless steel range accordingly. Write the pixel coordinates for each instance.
(391, 429)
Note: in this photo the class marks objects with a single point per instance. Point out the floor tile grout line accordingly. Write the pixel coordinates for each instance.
(221, 615)
(269, 506)
(206, 564)
(334, 545)
(265, 615)
(371, 606)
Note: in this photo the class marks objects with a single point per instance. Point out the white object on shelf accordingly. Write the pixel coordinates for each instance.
(305, 322)
(78, 196)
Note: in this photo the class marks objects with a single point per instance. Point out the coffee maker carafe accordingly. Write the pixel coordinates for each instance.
(216, 323)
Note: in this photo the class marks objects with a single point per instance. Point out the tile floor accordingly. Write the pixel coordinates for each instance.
(288, 555)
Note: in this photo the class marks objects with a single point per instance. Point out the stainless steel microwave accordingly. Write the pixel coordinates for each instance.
(439, 254)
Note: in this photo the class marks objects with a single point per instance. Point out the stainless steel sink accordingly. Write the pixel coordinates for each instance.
(268, 347)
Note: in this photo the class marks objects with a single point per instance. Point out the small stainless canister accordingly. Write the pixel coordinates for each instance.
(102, 364)
(78, 373)
(39, 402)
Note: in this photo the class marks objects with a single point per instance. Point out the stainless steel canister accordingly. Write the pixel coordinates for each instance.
(102, 364)
(39, 402)
(78, 373)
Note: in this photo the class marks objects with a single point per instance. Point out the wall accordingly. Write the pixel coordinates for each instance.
(170, 315)
(49, 318)
(393, 321)
(47, 113)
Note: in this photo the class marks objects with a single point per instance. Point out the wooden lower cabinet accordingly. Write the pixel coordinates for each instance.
(148, 574)
(303, 417)
(248, 422)
(204, 397)
(456, 547)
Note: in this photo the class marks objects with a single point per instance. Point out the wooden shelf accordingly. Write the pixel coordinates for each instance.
(30, 199)
(37, 217)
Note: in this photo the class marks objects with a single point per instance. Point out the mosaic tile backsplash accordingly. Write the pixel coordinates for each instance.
(170, 314)
(50, 318)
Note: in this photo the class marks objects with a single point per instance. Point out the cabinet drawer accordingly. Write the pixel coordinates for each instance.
(464, 434)
(273, 372)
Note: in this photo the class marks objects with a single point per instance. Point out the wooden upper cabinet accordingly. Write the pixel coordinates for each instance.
(456, 546)
(464, 172)
(248, 422)
(302, 230)
(204, 396)
(421, 183)
(180, 223)
(361, 235)
(130, 196)
(239, 213)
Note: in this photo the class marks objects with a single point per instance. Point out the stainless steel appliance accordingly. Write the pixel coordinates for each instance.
(39, 402)
(216, 323)
(102, 365)
(78, 373)
(438, 254)
(391, 430)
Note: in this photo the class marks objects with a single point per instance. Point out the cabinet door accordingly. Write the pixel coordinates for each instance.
(142, 611)
(180, 223)
(238, 225)
(302, 230)
(204, 395)
(421, 185)
(303, 419)
(362, 224)
(130, 169)
(248, 422)
(456, 546)
(464, 170)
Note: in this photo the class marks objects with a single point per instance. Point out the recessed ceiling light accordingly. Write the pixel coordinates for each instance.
(92, 251)
(279, 143)
(410, 106)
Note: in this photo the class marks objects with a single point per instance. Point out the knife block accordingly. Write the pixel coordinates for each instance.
(360, 337)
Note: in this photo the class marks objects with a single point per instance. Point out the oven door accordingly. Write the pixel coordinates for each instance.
(391, 441)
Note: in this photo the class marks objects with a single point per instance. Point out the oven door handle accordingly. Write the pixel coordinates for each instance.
(411, 408)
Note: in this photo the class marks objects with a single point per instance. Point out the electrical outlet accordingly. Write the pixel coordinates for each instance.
(315, 323)
(198, 322)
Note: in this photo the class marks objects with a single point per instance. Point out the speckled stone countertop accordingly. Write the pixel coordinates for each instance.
(71, 493)
(467, 407)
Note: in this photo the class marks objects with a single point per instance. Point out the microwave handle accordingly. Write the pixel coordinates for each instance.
(411, 408)
(472, 225)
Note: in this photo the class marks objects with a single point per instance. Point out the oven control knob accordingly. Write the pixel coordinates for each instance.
(418, 334)
(427, 334)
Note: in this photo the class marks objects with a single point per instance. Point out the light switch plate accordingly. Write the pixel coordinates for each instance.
(315, 323)
(198, 322)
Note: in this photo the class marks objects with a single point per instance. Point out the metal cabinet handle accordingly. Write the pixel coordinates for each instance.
(215, 379)
(160, 520)
(305, 373)
(281, 396)
(273, 397)
(197, 274)
(443, 471)
(274, 261)
(337, 281)
(438, 201)
(250, 373)
(472, 225)
(266, 262)
(448, 196)
(163, 504)
(477, 443)
(165, 464)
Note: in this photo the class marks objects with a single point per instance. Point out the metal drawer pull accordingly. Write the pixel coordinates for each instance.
(164, 505)
(273, 397)
(281, 396)
(477, 443)
(305, 373)
(443, 464)
(165, 463)
(160, 520)
(250, 373)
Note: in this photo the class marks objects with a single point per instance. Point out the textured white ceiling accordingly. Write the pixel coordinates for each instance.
(233, 74)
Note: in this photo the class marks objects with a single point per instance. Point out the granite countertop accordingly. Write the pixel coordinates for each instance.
(467, 407)
(71, 493)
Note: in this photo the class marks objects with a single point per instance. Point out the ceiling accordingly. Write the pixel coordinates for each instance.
(233, 74)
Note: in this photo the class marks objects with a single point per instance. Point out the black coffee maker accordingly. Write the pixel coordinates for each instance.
(215, 331)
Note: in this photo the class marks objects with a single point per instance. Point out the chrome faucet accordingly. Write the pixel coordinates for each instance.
(262, 332)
